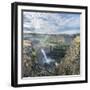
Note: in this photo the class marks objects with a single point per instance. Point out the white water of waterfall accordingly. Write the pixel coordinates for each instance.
(44, 54)
(47, 60)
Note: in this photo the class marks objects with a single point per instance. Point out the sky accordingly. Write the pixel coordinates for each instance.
(51, 23)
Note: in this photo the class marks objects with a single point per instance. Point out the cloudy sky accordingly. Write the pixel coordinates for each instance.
(51, 23)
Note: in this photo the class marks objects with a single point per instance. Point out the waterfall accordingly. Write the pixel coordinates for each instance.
(47, 60)
(44, 54)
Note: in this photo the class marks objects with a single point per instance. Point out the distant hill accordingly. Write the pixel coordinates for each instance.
(67, 38)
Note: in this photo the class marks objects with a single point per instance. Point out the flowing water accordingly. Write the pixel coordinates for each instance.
(46, 59)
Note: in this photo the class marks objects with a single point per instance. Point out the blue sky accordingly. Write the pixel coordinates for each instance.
(51, 23)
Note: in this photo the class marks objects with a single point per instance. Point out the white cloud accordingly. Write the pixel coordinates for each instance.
(47, 23)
